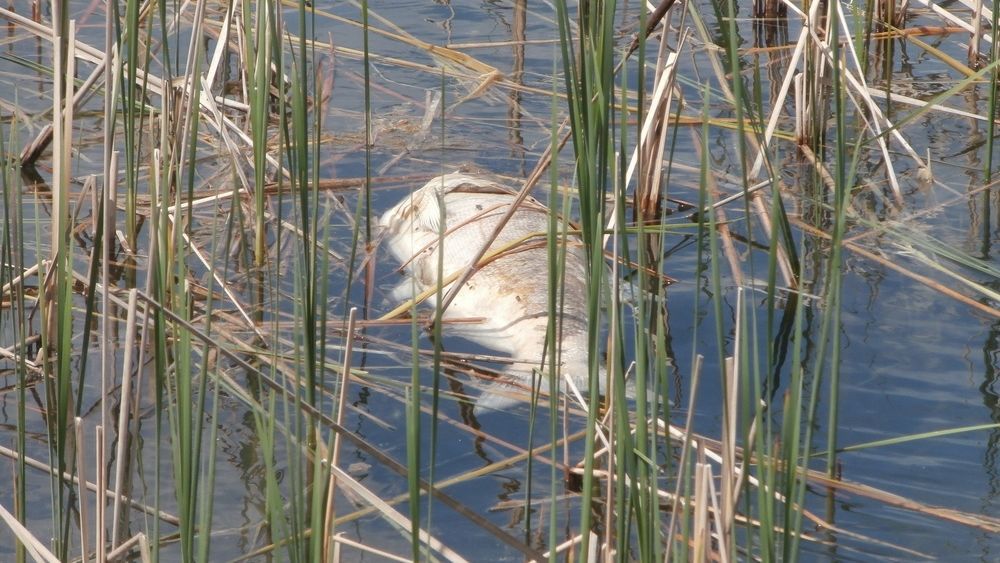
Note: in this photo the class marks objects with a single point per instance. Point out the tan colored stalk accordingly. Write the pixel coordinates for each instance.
(900, 98)
(124, 412)
(139, 540)
(100, 501)
(708, 449)
(953, 19)
(701, 525)
(35, 548)
(728, 473)
(339, 539)
(108, 325)
(15, 356)
(345, 375)
(391, 514)
(83, 501)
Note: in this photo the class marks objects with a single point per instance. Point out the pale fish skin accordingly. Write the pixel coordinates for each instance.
(510, 292)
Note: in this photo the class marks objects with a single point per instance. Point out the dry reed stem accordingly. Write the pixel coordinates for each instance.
(112, 80)
(391, 514)
(700, 535)
(273, 188)
(900, 98)
(932, 284)
(979, 521)
(448, 61)
(945, 58)
(877, 35)
(501, 43)
(722, 544)
(779, 102)
(124, 414)
(592, 547)
(953, 19)
(11, 354)
(35, 548)
(109, 196)
(572, 542)
(339, 539)
(923, 258)
(721, 222)
(825, 176)
(974, 6)
(708, 447)
(827, 527)
(860, 88)
(330, 513)
(155, 189)
(652, 135)
(666, 71)
(448, 71)
(728, 472)
(18, 280)
(818, 166)
(100, 501)
(858, 81)
(222, 48)
(62, 121)
(657, 18)
(233, 152)
(139, 540)
(93, 55)
(82, 500)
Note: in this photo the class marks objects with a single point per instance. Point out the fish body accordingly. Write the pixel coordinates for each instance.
(454, 216)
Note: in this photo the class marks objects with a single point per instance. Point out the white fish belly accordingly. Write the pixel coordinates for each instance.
(449, 220)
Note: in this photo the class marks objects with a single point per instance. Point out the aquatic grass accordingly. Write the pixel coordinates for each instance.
(588, 69)
(201, 339)
(56, 295)
(259, 77)
(14, 324)
(133, 58)
(556, 259)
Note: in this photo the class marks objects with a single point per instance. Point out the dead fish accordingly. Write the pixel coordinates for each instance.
(455, 215)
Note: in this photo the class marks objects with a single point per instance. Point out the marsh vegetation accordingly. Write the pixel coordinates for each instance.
(762, 237)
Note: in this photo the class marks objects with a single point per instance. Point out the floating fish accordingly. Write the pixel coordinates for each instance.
(455, 215)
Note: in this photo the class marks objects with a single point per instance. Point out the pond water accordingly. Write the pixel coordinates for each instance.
(914, 360)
